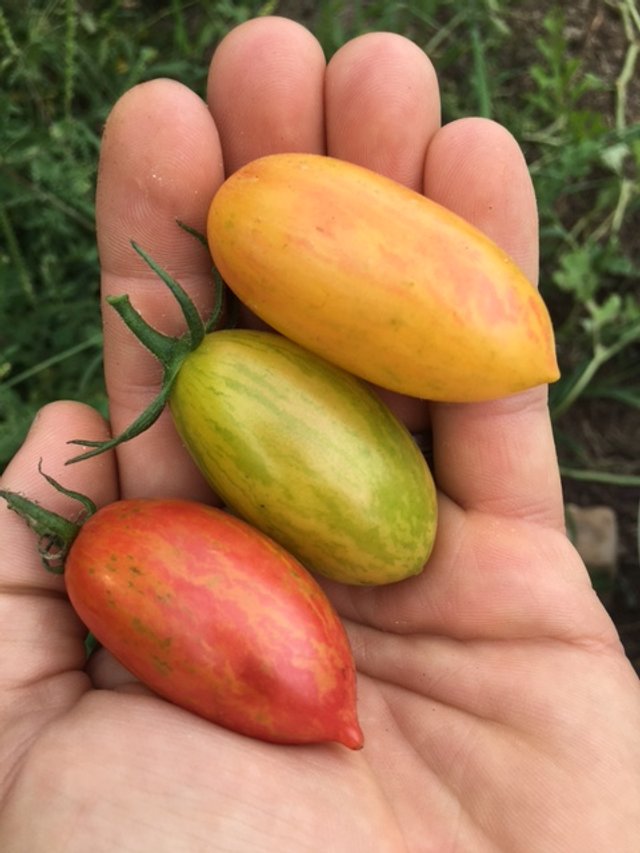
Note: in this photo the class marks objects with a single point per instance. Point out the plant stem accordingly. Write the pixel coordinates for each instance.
(600, 477)
(70, 46)
(16, 255)
(601, 354)
(93, 341)
(480, 75)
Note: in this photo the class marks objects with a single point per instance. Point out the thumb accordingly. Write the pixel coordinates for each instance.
(41, 639)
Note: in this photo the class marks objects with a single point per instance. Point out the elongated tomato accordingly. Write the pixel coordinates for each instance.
(308, 454)
(217, 618)
(379, 280)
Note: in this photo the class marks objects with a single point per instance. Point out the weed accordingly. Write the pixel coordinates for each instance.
(585, 168)
(64, 63)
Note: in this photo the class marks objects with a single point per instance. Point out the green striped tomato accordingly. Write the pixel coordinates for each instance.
(308, 454)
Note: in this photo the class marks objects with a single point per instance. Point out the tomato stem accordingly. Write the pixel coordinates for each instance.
(225, 298)
(193, 231)
(226, 303)
(195, 326)
(160, 345)
(55, 532)
(91, 645)
(170, 351)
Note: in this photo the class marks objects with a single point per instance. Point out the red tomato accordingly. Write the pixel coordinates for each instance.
(217, 618)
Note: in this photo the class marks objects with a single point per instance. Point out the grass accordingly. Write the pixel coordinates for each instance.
(63, 64)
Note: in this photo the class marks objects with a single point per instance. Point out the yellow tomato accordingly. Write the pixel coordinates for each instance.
(379, 280)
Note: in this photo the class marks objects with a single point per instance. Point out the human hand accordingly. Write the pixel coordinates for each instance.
(499, 711)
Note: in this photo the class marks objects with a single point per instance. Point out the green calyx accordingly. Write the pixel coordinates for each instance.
(170, 352)
(55, 532)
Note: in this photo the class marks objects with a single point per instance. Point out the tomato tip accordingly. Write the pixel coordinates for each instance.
(351, 736)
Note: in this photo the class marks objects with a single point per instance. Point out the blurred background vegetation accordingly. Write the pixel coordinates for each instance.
(563, 77)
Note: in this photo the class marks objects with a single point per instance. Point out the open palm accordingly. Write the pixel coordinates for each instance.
(499, 711)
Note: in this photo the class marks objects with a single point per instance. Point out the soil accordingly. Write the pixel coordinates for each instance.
(607, 433)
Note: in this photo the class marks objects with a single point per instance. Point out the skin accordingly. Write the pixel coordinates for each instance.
(499, 711)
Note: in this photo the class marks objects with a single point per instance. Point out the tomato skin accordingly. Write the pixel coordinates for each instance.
(379, 280)
(308, 454)
(216, 618)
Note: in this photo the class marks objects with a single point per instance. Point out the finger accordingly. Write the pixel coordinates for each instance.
(40, 635)
(382, 109)
(160, 161)
(265, 90)
(106, 673)
(487, 578)
(382, 106)
(476, 168)
(494, 457)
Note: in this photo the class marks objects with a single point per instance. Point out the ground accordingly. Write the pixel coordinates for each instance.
(607, 432)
